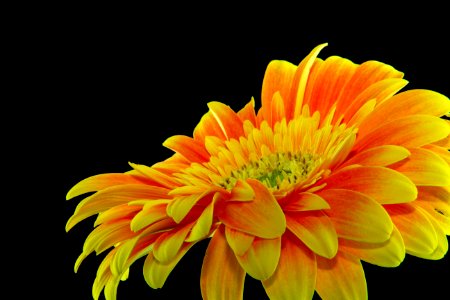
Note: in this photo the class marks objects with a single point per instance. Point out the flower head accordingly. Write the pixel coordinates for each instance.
(334, 168)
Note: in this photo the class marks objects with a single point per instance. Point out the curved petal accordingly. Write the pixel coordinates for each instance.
(168, 244)
(387, 254)
(158, 176)
(341, 277)
(261, 217)
(248, 112)
(384, 185)
(229, 122)
(222, 277)
(379, 156)
(316, 230)
(295, 276)
(357, 217)
(304, 201)
(261, 259)
(191, 149)
(239, 241)
(208, 127)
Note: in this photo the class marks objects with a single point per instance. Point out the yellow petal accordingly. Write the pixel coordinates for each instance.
(341, 277)
(157, 176)
(180, 206)
(191, 149)
(387, 254)
(208, 126)
(384, 185)
(239, 241)
(229, 122)
(202, 226)
(379, 156)
(150, 213)
(316, 230)
(436, 201)
(169, 243)
(222, 277)
(242, 191)
(417, 231)
(248, 112)
(424, 167)
(261, 260)
(120, 258)
(261, 217)
(357, 216)
(304, 201)
(295, 276)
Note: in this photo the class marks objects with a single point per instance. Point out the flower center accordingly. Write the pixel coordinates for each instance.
(274, 170)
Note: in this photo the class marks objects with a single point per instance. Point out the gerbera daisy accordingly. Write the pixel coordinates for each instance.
(334, 168)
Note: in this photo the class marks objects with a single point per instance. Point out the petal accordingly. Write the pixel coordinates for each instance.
(304, 201)
(295, 276)
(156, 273)
(277, 110)
(382, 184)
(261, 259)
(341, 277)
(180, 206)
(441, 151)
(357, 216)
(208, 126)
(202, 226)
(436, 201)
(150, 213)
(239, 241)
(242, 191)
(379, 156)
(169, 243)
(424, 167)
(248, 112)
(261, 217)
(153, 174)
(191, 149)
(222, 277)
(411, 132)
(316, 230)
(417, 231)
(121, 256)
(100, 182)
(387, 254)
(229, 122)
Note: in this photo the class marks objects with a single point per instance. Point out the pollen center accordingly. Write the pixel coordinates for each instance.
(274, 170)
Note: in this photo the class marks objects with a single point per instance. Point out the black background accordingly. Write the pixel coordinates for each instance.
(122, 82)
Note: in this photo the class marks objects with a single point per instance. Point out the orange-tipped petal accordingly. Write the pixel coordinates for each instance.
(315, 230)
(242, 191)
(169, 243)
(261, 259)
(191, 149)
(202, 226)
(424, 167)
(387, 254)
(295, 276)
(305, 201)
(248, 112)
(208, 126)
(277, 109)
(261, 217)
(366, 221)
(239, 241)
(229, 122)
(379, 156)
(417, 231)
(382, 184)
(153, 174)
(180, 206)
(222, 277)
(341, 277)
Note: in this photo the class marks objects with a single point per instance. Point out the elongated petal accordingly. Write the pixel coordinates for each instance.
(239, 241)
(156, 273)
(153, 174)
(149, 214)
(120, 258)
(242, 191)
(387, 254)
(191, 149)
(417, 231)
(202, 226)
(424, 167)
(315, 230)
(180, 206)
(410, 131)
(436, 201)
(382, 184)
(261, 259)
(341, 277)
(208, 126)
(357, 216)
(305, 201)
(380, 156)
(229, 122)
(295, 276)
(222, 277)
(261, 217)
(169, 243)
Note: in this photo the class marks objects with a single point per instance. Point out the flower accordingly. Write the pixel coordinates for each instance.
(335, 168)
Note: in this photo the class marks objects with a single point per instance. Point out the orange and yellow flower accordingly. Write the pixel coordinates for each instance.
(334, 168)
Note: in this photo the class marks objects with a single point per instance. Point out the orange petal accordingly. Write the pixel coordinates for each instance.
(159, 177)
(261, 217)
(180, 206)
(229, 122)
(277, 78)
(208, 126)
(304, 201)
(295, 276)
(441, 151)
(123, 211)
(424, 167)
(261, 259)
(341, 277)
(202, 226)
(382, 184)
(169, 243)
(156, 273)
(417, 231)
(151, 212)
(387, 254)
(357, 216)
(191, 149)
(100, 182)
(277, 109)
(411, 132)
(436, 201)
(248, 112)
(378, 156)
(242, 191)
(316, 230)
(222, 277)
(239, 241)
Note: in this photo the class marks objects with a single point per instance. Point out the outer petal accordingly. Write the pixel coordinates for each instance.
(248, 112)
(261, 260)
(304, 201)
(169, 244)
(380, 156)
(239, 241)
(222, 277)
(229, 122)
(382, 184)
(191, 149)
(357, 217)
(261, 217)
(341, 277)
(295, 276)
(316, 230)
(387, 254)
